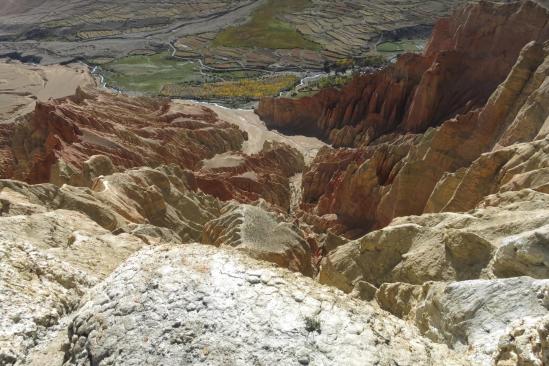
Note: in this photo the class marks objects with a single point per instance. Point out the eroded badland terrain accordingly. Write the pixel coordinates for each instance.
(386, 202)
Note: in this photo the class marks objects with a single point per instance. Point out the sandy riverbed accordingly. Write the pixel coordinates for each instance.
(258, 133)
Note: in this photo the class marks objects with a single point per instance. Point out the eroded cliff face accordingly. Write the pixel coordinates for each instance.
(109, 195)
(463, 132)
(469, 55)
(497, 148)
(54, 141)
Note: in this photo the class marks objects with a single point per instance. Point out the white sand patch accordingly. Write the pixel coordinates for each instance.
(23, 84)
(226, 160)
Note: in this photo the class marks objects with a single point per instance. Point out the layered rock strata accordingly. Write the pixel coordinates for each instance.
(53, 143)
(498, 147)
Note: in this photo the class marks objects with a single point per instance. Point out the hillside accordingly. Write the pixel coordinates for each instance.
(398, 218)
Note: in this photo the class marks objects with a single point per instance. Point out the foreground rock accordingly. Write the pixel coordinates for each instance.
(179, 305)
(526, 343)
(57, 243)
(50, 258)
(504, 236)
(483, 315)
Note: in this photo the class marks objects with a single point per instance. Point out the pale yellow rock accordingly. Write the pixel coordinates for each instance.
(261, 235)
(449, 246)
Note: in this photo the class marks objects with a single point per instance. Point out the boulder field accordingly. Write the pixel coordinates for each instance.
(144, 231)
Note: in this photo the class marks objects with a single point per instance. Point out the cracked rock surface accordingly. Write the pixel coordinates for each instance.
(199, 305)
(49, 259)
(481, 316)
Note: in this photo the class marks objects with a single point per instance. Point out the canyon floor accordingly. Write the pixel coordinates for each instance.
(398, 215)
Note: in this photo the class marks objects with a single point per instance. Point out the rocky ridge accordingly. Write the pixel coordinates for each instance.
(108, 196)
(480, 150)
(76, 139)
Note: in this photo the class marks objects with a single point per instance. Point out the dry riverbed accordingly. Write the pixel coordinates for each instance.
(258, 133)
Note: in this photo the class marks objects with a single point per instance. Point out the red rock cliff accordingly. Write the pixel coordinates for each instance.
(486, 94)
(469, 55)
(53, 142)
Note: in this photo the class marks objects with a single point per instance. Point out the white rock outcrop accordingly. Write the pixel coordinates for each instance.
(199, 305)
(472, 316)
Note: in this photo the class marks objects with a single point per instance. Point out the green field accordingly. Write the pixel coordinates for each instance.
(251, 89)
(404, 45)
(149, 73)
(266, 30)
(161, 74)
(389, 47)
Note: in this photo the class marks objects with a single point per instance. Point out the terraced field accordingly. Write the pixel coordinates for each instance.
(309, 33)
(266, 29)
(351, 28)
(93, 19)
(244, 48)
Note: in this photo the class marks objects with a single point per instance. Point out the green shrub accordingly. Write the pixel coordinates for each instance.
(312, 324)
